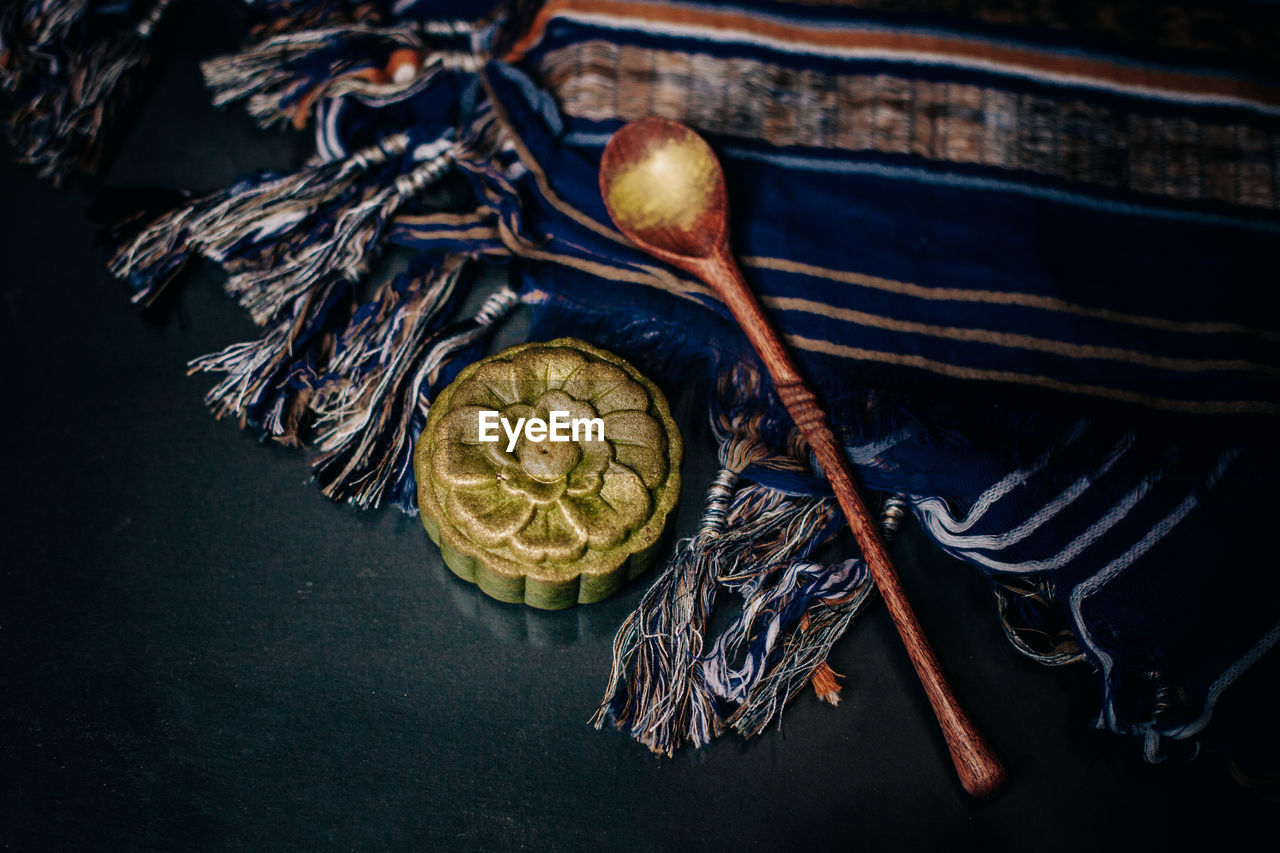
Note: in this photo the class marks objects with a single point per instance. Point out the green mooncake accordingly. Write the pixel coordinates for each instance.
(550, 523)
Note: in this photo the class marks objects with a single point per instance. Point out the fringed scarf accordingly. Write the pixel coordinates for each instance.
(1022, 260)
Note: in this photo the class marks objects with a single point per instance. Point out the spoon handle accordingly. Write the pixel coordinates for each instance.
(980, 771)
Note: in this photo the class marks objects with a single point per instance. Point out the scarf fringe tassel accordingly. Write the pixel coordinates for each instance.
(272, 229)
(284, 75)
(671, 684)
(68, 90)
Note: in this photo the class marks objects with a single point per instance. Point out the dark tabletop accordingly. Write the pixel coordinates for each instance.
(199, 651)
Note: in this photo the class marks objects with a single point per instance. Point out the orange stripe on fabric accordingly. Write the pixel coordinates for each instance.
(943, 368)
(445, 218)
(1013, 340)
(1001, 297)
(906, 43)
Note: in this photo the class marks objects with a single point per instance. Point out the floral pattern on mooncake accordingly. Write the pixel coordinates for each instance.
(549, 523)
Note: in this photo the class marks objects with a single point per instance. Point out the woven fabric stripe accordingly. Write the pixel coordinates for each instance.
(857, 40)
(1068, 138)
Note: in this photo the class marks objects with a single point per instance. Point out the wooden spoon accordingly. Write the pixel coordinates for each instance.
(664, 189)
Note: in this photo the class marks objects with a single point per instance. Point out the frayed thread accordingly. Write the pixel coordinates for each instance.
(33, 38)
(269, 382)
(60, 125)
(345, 248)
(790, 619)
(657, 690)
(245, 226)
(387, 363)
(284, 75)
(793, 624)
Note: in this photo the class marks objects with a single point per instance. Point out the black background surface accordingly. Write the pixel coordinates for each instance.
(201, 652)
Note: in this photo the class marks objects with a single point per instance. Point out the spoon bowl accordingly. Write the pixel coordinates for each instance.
(664, 188)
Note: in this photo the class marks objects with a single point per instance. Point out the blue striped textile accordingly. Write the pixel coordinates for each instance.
(1025, 251)
(1070, 373)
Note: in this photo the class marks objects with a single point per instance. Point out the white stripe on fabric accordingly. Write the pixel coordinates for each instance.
(1091, 535)
(935, 510)
(1088, 588)
(1222, 682)
(999, 541)
(867, 454)
(328, 140)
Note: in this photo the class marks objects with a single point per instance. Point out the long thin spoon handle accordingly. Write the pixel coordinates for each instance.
(980, 771)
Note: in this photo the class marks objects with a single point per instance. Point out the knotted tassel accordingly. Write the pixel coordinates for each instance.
(770, 527)
(270, 381)
(240, 227)
(657, 691)
(755, 541)
(404, 311)
(344, 249)
(60, 127)
(395, 355)
(285, 74)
